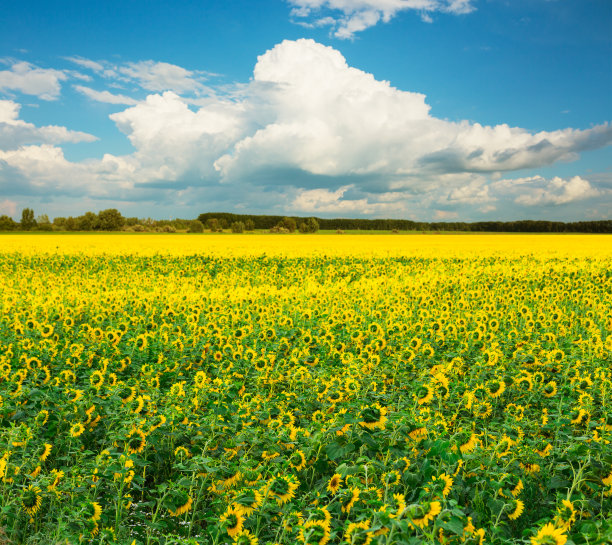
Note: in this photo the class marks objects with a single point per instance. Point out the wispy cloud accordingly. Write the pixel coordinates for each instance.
(105, 96)
(347, 17)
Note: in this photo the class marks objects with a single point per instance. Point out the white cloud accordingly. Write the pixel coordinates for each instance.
(161, 76)
(558, 191)
(308, 133)
(105, 96)
(313, 113)
(87, 63)
(15, 132)
(31, 80)
(350, 16)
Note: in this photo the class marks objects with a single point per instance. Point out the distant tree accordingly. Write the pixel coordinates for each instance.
(59, 223)
(87, 222)
(287, 223)
(110, 220)
(237, 227)
(249, 225)
(27, 219)
(7, 223)
(43, 223)
(213, 225)
(131, 221)
(311, 225)
(196, 226)
(71, 224)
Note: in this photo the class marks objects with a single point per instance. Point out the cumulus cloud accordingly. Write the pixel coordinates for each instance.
(346, 17)
(15, 132)
(31, 80)
(105, 96)
(307, 133)
(538, 191)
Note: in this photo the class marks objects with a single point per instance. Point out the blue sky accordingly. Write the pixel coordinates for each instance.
(422, 109)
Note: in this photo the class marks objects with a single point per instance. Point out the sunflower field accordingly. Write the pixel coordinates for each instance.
(235, 390)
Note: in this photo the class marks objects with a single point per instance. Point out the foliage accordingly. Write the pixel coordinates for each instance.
(237, 227)
(27, 219)
(109, 220)
(270, 399)
(196, 227)
(8, 224)
(311, 225)
(524, 226)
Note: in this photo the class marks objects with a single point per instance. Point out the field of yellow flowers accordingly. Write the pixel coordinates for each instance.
(305, 389)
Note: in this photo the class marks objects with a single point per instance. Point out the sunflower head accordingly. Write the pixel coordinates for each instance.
(31, 500)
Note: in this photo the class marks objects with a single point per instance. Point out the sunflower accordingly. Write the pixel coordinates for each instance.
(469, 445)
(390, 478)
(297, 460)
(334, 483)
(232, 520)
(607, 481)
(186, 501)
(244, 537)
(350, 498)
(96, 379)
(283, 487)
(496, 388)
(424, 395)
(136, 441)
(421, 515)
(31, 500)
(57, 476)
(45, 453)
(248, 500)
(550, 389)
(519, 507)
(401, 505)
(77, 429)
(550, 535)
(566, 514)
(314, 532)
(358, 533)
(447, 483)
(94, 510)
(373, 416)
(292, 521)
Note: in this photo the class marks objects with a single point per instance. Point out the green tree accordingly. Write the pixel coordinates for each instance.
(249, 225)
(87, 222)
(311, 225)
(27, 219)
(288, 223)
(213, 225)
(110, 220)
(7, 223)
(237, 227)
(196, 226)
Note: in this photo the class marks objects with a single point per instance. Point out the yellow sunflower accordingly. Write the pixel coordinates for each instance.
(334, 483)
(31, 500)
(232, 520)
(550, 535)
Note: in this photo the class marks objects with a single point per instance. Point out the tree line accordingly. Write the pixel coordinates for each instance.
(112, 220)
(522, 226)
